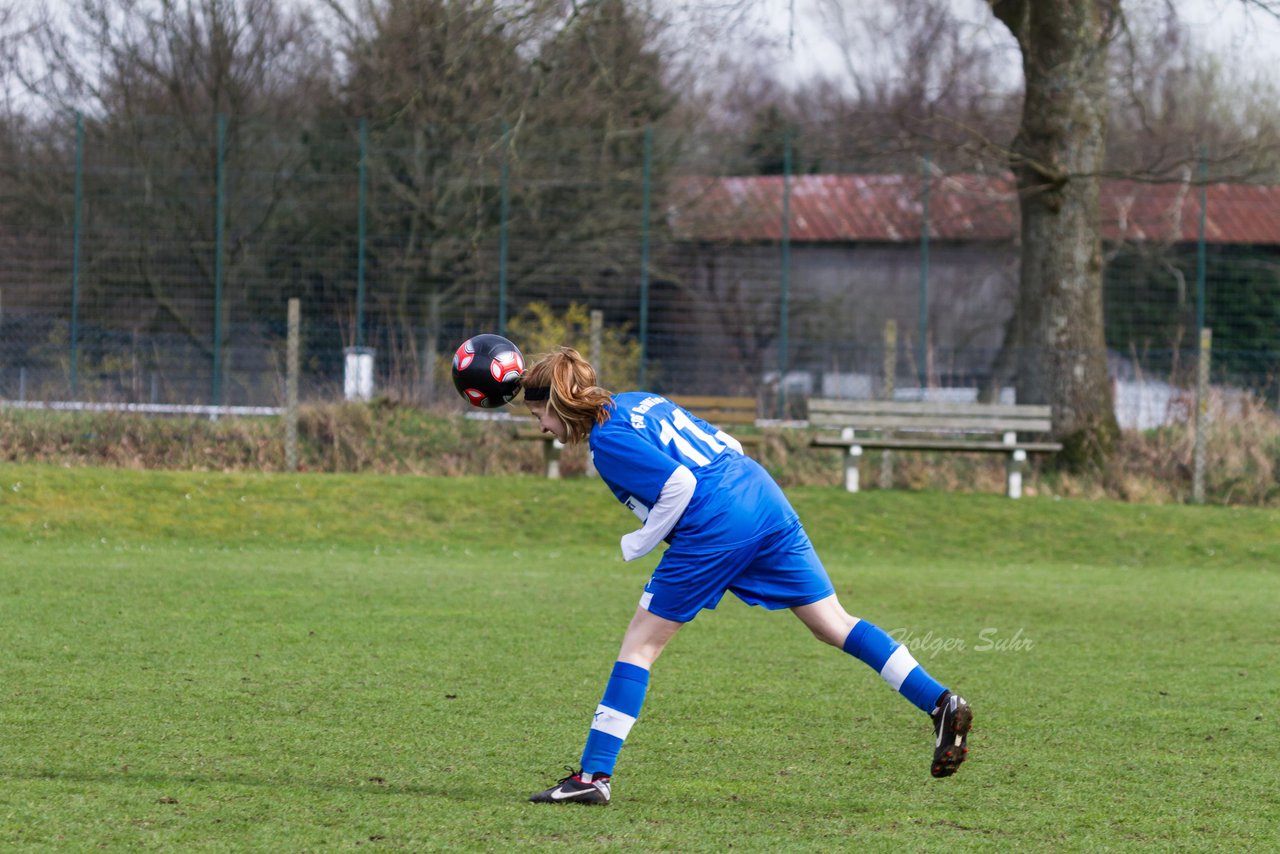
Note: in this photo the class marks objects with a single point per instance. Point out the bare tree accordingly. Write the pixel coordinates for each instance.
(162, 96)
(515, 121)
(600, 84)
(918, 76)
(1173, 104)
(435, 81)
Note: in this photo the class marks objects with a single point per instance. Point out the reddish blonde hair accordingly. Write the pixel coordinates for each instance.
(573, 395)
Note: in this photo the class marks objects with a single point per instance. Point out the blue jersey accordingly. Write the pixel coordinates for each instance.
(647, 437)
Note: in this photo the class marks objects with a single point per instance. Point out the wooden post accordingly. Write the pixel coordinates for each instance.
(1202, 406)
(291, 387)
(431, 352)
(597, 361)
(596, 355)
(890, 378)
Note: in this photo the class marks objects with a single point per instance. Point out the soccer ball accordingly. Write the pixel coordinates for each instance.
(487, 370)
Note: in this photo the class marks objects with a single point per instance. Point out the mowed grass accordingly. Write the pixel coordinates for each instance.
(301, 663)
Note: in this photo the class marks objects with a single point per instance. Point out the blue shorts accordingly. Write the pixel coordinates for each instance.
(779, 570)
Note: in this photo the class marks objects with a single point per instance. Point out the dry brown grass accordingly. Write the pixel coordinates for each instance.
(385, 437)
(1242, 463)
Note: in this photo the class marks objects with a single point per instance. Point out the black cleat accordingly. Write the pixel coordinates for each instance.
(951, 723)
(575, 790)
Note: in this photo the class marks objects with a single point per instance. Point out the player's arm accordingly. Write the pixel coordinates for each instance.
(675, 496)
(661, 486)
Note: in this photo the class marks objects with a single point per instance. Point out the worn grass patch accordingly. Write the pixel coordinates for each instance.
(287, 663)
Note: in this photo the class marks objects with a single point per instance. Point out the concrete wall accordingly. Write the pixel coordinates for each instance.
(840, 299)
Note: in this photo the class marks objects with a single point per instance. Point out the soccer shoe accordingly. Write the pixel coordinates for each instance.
(951, 722)
(575, 790)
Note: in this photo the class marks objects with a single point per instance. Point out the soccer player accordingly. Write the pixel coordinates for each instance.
(728, 527)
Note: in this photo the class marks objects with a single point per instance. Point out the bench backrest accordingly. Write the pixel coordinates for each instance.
(930, 415)
(718, 410)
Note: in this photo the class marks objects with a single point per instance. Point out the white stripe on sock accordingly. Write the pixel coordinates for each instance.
(898, 667)
(613, 722)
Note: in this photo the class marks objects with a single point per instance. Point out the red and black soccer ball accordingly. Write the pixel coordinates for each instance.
(487, 370)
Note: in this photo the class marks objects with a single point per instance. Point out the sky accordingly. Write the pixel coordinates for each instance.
(801, 31)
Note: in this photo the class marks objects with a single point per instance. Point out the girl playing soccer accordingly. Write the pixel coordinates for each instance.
(728, 528)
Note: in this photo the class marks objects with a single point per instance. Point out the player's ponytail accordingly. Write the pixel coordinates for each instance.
(567, 382)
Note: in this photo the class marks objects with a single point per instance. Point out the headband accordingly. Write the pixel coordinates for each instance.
(541, 393)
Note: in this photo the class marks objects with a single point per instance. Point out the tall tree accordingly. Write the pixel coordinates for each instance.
(434, 80)
(600, 80)
(1057, 159)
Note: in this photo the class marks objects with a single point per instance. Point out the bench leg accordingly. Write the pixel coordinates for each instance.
(1014, 465)
(551, 456)
(851, 468)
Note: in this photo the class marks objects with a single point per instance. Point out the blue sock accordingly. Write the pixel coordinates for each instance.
(872, 645)
(616, 714)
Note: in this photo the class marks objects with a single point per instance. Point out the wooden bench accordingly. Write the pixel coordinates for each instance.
(932, 426)
(726, 412)
(722, 411)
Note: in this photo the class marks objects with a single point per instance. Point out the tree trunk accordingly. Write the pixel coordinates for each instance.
(1057, 159)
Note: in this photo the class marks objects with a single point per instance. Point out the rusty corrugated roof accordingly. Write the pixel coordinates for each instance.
(967, 207)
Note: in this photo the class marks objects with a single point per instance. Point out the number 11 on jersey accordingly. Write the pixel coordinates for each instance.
(683, 432)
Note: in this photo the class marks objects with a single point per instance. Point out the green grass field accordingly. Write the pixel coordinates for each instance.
(301, 663)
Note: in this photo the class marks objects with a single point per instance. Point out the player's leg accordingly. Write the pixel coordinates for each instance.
(643, 642)
(624, 693)
(870, 644)
(646, 637)
(786, 572)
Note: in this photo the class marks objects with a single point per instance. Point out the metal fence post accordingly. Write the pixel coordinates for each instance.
(219, 217)
(75, 257)
(785, 284)
(504, 220)
(360, 230)
(291, 387)
(1200, 238)
(644, 251)
(922, 320)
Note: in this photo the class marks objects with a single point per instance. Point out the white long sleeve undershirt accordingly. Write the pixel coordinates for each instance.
(674, 497)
